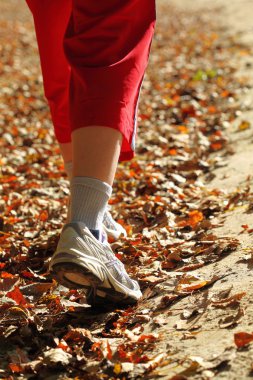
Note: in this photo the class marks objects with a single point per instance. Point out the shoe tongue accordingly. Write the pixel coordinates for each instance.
(99, 235)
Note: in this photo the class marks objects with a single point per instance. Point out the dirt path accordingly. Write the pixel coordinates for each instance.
(172, 334)
(234, 175)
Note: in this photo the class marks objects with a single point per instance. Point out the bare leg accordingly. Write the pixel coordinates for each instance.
(66, 151)
(112, 228)
(96, 152)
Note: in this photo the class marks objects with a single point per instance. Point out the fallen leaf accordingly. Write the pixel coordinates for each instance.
(15, 368)
(225, 302)
(243, 125)
(242, 339)
(56, 357)
(231, 320)
(18, 297)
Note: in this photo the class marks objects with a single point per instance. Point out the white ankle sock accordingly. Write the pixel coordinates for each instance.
(89, 198)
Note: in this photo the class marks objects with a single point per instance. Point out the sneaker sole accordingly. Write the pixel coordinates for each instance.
(74, 276)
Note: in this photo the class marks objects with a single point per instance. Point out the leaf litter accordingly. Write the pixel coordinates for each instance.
(189, 100)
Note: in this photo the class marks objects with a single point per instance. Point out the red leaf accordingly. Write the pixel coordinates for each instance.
(15, 368)
(17, 296)
(216, 146)
(109, 351)
(122, 352)
(27, 274)
(242, 339)
(63, 345)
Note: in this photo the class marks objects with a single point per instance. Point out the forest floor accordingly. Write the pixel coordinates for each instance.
(186, 201)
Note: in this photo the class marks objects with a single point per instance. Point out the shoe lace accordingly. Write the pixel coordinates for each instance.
(109, 221)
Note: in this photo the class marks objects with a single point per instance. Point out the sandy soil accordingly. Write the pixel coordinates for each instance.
(236, 17)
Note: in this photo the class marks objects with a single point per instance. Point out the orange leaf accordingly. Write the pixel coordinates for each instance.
(190, 288)
(224, 94)
(212, 109)
(127, 227)
(176, 98)
(242, 339)
(182, 129)
(43, 216)
(95, 346)
(12, 219)
(26, 243)
(195, 217)
(7, 179)
(147, 338)
(7, 275)
(172, 152)
(16, 368)
(17, 296)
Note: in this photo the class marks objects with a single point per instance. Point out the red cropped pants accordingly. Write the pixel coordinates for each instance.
(93, 57)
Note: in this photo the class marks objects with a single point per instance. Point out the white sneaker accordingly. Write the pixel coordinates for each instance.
(111, 227)
(81, 261)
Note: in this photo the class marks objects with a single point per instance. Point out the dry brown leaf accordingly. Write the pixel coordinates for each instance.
(225, 302)
(231, 320)
(55, 357)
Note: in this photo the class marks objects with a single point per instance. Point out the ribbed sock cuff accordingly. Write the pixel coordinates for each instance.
(89, 198)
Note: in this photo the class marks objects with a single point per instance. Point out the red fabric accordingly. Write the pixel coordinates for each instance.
(50, 19)
(107, 45)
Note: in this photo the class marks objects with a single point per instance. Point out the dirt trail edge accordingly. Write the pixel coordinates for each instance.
(185, 200)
